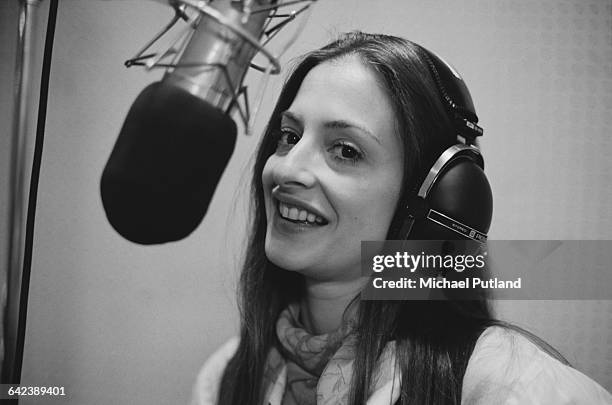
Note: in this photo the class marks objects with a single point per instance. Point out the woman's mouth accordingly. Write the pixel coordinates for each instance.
(299, 215)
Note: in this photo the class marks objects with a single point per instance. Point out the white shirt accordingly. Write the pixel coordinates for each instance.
(505, 368)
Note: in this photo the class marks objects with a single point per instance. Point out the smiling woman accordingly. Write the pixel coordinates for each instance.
(339, 157)
(356, 129)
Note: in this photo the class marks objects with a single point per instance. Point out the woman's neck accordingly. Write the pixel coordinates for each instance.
(325, 302)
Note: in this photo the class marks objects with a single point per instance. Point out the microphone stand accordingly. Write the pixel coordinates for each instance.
(15, 289)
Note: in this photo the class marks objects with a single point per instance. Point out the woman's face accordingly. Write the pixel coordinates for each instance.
(335, 177)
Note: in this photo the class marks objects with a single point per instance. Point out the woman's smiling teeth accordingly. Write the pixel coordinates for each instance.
(295, 214)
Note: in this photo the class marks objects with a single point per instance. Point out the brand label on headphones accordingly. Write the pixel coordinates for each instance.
(456, 226)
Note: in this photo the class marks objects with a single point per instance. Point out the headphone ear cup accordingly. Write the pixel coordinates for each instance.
(461, 192)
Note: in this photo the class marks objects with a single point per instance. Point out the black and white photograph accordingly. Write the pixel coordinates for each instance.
(306, 202)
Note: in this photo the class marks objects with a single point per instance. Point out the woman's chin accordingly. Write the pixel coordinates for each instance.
(293, 254)
(284, 259)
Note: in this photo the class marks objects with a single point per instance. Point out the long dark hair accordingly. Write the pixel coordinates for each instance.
(434, 339)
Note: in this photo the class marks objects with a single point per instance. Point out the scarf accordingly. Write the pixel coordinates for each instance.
(320, 367)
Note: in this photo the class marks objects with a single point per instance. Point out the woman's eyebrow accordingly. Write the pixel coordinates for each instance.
(341, 124)
(290, 116)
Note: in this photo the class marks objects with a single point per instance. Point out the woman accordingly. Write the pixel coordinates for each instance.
(357, 125)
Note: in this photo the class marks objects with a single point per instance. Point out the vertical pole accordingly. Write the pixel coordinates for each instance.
(13, 318)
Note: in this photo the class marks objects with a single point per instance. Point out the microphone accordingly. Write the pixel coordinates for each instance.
(165, 165)
(178, 136)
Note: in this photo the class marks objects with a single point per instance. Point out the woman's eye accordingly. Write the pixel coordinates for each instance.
(288, 137)
(347, 153)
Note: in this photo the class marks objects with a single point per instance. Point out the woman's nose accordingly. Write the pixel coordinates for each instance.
(298, 166)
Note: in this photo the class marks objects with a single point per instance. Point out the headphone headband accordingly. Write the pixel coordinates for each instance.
(455, 96)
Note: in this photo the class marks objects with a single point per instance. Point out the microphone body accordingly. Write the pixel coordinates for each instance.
(178, 137)
(213, 44)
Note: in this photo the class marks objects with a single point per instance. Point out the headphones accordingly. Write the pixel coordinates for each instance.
(454, 201)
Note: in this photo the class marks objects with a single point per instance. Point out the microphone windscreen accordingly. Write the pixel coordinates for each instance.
(165, 165)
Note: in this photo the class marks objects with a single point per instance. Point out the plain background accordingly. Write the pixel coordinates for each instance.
(115, 322)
